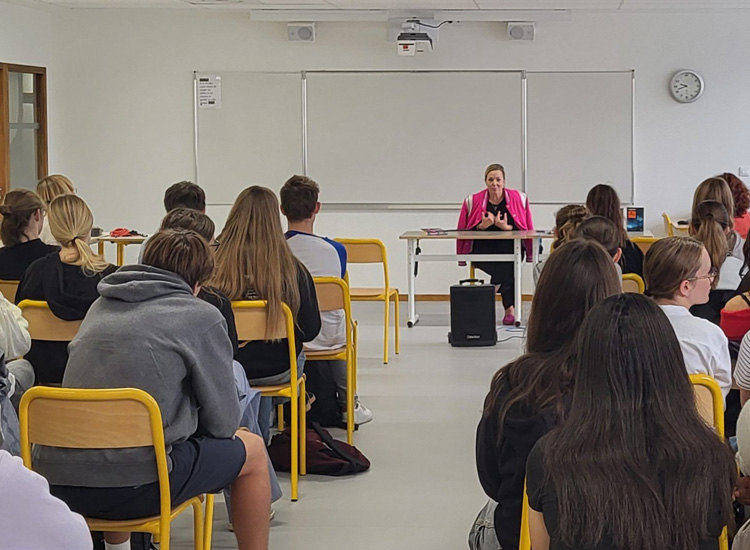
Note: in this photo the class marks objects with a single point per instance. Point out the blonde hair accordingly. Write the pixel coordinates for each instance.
(70, 221)
(493, 168)
(668, 262)
(714, 189)
(53, 186)
(254, 255)
(567, 220)
(709, 225)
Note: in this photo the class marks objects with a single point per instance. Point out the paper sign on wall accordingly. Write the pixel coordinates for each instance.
(209, 92)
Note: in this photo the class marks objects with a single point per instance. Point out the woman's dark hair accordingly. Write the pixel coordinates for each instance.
(602, 200)
(184, 194)
(601, 230)
(576, 276)
(634, 463)
(740, 194)
(16, 211)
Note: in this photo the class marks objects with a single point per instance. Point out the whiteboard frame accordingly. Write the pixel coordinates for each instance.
(333, 206)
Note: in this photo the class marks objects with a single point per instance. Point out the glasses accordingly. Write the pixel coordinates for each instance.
(712, 273)
(215, 244)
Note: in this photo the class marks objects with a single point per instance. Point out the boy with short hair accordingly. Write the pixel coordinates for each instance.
(323, 257)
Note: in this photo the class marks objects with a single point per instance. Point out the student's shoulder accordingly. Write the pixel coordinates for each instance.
(711, 331)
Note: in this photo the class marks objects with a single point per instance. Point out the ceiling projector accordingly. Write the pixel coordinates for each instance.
(413, 39)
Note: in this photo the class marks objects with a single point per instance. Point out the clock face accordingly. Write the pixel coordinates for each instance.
(686, 86)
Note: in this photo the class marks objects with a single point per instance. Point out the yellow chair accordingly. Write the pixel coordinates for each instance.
(9, 289)
(252, 325)
(109, 419)
(632, 282)
(372, 251)
(44, 325)
(668, 227)
(333, 295)
(644, 243)
(710, 404)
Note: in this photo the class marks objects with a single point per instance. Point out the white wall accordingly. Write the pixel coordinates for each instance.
(25, 35)
(121, 102)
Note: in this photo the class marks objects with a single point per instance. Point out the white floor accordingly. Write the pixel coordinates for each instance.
(422, 491)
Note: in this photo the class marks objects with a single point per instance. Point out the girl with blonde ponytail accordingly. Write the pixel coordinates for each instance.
(48, 189)
(711, 224)
(67, 281)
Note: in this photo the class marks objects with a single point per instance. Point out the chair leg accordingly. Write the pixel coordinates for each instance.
(197, 526)
(385, 332)
(280, 417)
(295, 446)
(396, 321)
(162, 538)
(302, 428)
(209, 521)
(349, 398)
(354, 357)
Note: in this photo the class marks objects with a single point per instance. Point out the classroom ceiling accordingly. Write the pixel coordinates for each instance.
(470, 5)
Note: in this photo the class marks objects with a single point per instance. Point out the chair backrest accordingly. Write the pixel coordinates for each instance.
(668, 228)
(9, 289)
(332, 293)
(250, 319)
(524, 542)
(709, 401)
(94, 419)
(367, 251)
(44, 325)
(632, 282)
(644, 243)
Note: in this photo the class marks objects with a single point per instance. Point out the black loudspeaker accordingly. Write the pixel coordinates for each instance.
(472, 314)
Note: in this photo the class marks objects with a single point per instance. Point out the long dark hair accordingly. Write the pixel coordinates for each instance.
(602, 200)
(577, 276)
(634, 463)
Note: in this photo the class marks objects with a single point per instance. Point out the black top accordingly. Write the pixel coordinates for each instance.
(69, 293)
(261, 359)
(217, 298)
(502, 467)
(542, 498)
(491, 246)
(632, 259)
(15, 259)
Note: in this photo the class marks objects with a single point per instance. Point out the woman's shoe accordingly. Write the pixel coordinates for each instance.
(509, 319)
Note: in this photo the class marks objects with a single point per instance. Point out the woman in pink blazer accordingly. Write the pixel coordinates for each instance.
(496, 209)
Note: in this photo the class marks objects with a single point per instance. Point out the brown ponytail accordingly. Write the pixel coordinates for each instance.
(567, 220)
(19, 206)
(709, 225)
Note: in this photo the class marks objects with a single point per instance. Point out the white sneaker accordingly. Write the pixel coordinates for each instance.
(362, 415)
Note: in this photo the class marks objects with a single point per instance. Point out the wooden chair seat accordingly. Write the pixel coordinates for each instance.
(371, 293)
(332, 354)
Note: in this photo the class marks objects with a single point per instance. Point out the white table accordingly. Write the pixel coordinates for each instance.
(412, 239)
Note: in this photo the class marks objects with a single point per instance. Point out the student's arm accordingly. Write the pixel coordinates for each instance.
(722, 369)
(538, 531)
(486, 457)
(742, 369)
(14, 335)
(535, 489)
(308, 316)
(213, 383)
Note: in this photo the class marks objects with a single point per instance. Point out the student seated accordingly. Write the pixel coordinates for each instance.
(717, 189)
(678, 275)
(50, 188)
(67, 281)
(322, 257)
(149, 331)
(567, 219)
(602, 200)
(15, 342)
(254, 262)
(530, 395)
(22, 222)
(711, 225)
(634, 465)
(741, 197)
(603, 231)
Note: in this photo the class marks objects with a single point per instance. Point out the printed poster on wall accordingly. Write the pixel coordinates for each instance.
(209, 91)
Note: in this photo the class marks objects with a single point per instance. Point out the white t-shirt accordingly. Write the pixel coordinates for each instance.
(32, 518)
(322, 257)
(729, 275)
(704, 346)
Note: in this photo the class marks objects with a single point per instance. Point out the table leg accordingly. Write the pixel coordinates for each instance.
(120, 253)
(411, 246)
(517, 245)
(100, 248)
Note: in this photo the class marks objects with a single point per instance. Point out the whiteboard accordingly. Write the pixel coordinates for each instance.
(411, 137)
(580, 133)
(255, 138)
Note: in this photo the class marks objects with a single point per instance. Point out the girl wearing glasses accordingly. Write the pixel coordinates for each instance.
(678, 276)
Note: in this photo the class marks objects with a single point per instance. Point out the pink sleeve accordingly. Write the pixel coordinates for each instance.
(463, 222)
(529, 244)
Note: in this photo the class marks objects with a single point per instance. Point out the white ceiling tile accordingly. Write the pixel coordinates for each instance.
(685, 4)
(547, 4)
(405, 4)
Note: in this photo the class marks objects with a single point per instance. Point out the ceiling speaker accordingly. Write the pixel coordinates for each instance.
(301, 32)
(521, 31)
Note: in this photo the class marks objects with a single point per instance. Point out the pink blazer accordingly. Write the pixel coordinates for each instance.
(474, 207)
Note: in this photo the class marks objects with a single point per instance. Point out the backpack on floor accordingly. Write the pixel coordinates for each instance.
(325, 455)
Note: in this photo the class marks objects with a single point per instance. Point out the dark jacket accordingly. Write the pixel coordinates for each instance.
(502, 466)
(69, 293)
(632, 259)
(262, 359)
(14, 260)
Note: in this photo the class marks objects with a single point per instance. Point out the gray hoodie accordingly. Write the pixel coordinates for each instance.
(148, 331)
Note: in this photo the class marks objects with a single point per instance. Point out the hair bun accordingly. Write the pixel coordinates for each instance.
(5, 210)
